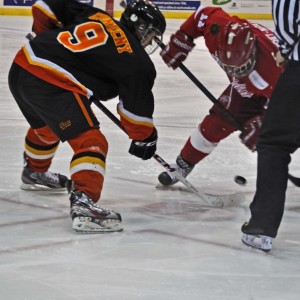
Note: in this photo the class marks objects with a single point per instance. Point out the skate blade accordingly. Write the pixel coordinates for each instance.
(40, 187)
(255, 243)
(86, 225)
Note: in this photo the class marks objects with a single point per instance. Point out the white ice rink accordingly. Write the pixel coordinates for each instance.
(173, 246)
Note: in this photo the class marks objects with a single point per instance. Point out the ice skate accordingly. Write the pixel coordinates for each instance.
(259, 241)
(89, 218)
(39, 181)
(183, 167)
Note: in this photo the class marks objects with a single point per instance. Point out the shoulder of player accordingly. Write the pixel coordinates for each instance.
(205, 20)
(204, 15)
(264, 35)
(210, 11)
(265, 73)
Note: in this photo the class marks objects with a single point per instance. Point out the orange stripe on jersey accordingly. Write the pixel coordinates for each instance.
(135, 122)
(135, 128)
(83, 109)
(136, 131)
(49, 74)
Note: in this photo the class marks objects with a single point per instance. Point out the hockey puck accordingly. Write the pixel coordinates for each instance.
(240, 180)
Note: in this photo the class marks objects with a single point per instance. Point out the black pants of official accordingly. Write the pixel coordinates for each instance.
(279, 138)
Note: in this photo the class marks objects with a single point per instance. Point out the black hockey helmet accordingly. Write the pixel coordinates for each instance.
(144, 19)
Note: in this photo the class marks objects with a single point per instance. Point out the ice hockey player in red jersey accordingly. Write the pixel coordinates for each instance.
(80, 53)
(244, 50)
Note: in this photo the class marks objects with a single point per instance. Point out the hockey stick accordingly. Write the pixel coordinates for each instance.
(211, 200)
(294, 180)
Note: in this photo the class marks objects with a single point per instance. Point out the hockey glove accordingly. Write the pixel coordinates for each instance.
(144, 149)
(177, 50)
(251, 131)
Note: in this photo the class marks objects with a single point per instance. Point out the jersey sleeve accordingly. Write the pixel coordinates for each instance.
(136, 106)
(43, 18)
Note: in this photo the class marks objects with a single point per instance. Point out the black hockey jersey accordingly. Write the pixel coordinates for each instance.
(82, 49)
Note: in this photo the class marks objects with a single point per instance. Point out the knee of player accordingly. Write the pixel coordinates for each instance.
(214, 128)
(92, 139)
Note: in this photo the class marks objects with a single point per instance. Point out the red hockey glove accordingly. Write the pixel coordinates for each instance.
(144, 149)
(177, 50)
(251, 131)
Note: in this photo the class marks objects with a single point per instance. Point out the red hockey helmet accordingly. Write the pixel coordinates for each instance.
(236, 49)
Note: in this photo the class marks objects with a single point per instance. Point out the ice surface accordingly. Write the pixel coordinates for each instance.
(172, 247)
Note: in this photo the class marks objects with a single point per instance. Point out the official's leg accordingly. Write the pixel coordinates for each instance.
(279, 137)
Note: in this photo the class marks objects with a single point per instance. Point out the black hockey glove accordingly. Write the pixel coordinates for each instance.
(144, 149)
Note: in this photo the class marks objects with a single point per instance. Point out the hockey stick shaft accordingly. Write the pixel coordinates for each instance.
(214, 202)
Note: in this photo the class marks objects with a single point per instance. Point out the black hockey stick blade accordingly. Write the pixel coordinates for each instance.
(294, 180)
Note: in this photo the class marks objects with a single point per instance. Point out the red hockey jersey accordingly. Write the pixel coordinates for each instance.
(208, 21)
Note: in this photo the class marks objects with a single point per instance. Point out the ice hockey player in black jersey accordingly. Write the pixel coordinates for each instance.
(81, 53)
